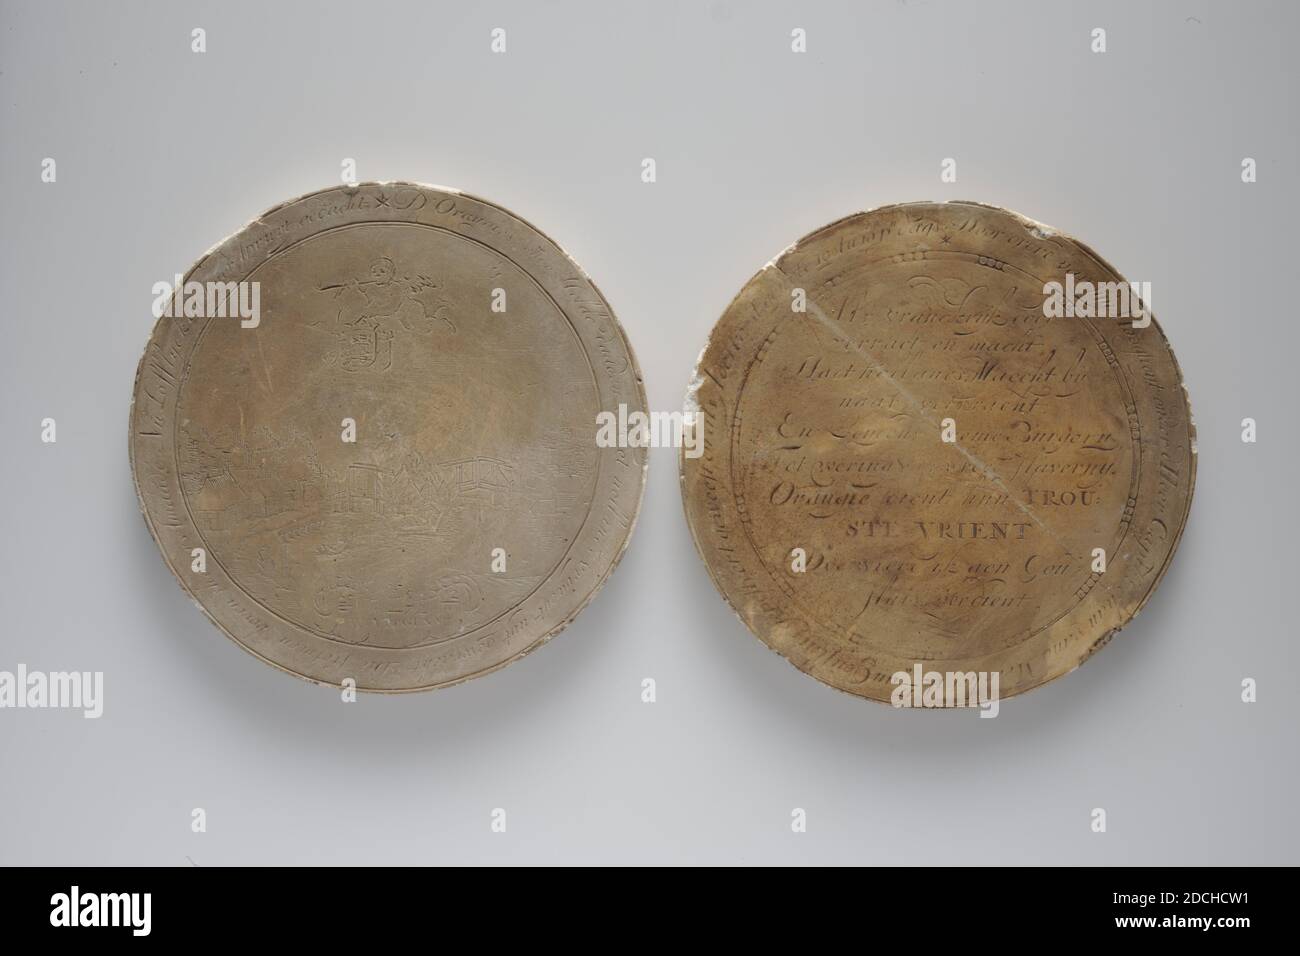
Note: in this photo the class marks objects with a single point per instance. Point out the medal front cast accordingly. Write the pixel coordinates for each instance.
(390, 475)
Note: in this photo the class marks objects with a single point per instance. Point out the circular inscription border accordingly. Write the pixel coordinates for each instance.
(591, 557)
(1160, 423)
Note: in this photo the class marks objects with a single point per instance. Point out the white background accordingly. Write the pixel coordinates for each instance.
(162, 152)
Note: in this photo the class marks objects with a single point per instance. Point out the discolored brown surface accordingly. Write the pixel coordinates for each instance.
(824, 432)
(475, 430)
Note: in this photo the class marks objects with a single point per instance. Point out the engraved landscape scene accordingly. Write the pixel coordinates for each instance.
(472, 433)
